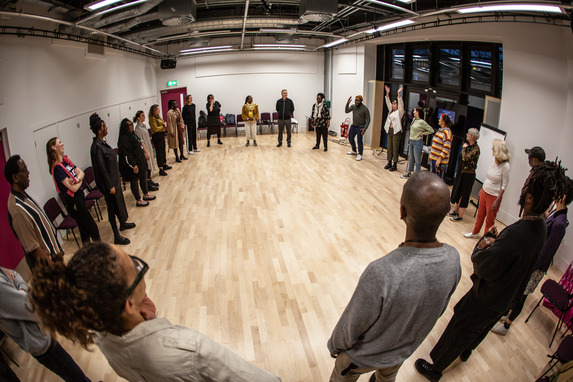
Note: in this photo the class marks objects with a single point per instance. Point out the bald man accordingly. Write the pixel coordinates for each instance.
(400, 296)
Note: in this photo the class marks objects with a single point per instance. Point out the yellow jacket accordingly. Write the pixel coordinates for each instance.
(249, 115)
(156, 124)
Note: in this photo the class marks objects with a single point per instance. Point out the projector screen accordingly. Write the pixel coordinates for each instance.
(487, 134)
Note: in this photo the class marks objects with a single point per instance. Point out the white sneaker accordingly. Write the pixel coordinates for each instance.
(351, 153)
(190, 153)
(359, 157)
(197, 150)
(500, 329)
(471, 235)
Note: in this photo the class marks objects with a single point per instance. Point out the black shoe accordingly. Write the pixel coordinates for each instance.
(151, 187)
(255, 143)
(315, 147)
(372, 378)
(208, 143)
(120, 240)
(326, 149)
(288, 144)
(393, 168)
(167, 167)
(453, 213)
(124, 226)
(177, 160)
(388, 165)
(155, 184)
(465, 355)
(162, 173)
(182, 157)
(279, 145)
(427, 370)
(247, 145)
(219, 142)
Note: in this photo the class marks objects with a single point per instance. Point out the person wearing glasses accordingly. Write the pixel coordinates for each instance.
(99, 297)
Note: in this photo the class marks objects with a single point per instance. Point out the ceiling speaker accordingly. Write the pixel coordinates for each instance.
(168, 63)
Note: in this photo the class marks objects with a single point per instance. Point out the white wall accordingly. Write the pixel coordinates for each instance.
(231, 77)
(51, 88)
(537, 99)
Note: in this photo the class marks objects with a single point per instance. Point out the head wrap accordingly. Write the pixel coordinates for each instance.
(95, 123)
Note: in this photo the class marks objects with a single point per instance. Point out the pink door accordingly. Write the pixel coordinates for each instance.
(11, 252)
(169, 94)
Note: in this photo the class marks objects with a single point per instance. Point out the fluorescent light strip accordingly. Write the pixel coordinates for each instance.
(207, 51)
(329, 45)
(120, 7)
(101, 4)
(206, 48)
(275, 48)
(278, 46)
(391, 26)
(513, 7)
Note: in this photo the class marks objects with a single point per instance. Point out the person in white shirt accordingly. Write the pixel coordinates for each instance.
(393, 126)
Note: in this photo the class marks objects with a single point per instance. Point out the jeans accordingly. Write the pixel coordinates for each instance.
(438, 170)
(356, 131)
(415, 153)
(59, 362)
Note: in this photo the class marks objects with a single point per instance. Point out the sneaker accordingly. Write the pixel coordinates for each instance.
(148, 197)
(453, 213)
(393, 168)
(255, 143)
(471, 235)
(427, 370)
(405, 176)
(465, 355)
(351, 153)
(500, 329)
(190, 153)
(247, 145)
(358, 157)
(141, 203)
(456, 218)
(197, 150)
(388, 165)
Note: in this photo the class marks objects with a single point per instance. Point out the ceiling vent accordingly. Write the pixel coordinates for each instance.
(173, 13)
(318, 10)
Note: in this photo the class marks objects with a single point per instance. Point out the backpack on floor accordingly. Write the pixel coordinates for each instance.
(229, 119)
(202, 119)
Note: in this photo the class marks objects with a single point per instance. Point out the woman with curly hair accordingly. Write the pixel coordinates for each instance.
(68, 179)
(493, 188)
(99, 297)
(441, 145)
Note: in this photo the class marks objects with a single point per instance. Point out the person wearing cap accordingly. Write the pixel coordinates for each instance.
(360, 122)
(394, 127)
(106, 173)
(535, 155)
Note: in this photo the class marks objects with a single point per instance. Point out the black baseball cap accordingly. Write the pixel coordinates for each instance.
(536, 152)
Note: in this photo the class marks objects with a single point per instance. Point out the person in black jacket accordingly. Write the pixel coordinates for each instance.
(132, 162)
(190, 120)
(213, 119)
(106, 173)
(285, 110)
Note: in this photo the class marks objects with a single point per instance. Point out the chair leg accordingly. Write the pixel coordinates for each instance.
(559, 325)
(98, 211)
(536, 306)
(75, 238)
(552, 363)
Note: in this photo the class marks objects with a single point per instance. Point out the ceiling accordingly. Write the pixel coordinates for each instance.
(163, 28)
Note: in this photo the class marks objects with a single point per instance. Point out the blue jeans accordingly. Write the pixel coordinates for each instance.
(356, 131)
(61, 363)
(415, 154)
(438, 170)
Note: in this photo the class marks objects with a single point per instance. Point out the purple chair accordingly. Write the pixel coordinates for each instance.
(266, 120)
(53, 211)
(559, 297)
(239, 123)
(563, 354)
(91, 198)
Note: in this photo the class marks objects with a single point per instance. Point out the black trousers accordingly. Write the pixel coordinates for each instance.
(468, 327)
(112, 211)
(139, 180)
(159, 144)
(191, 138)
(77, 209)
(61, 363)
(321, 131)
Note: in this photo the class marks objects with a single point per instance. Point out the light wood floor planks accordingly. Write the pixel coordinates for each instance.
(260, 248)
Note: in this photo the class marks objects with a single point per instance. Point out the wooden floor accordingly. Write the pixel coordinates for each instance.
(260, 248)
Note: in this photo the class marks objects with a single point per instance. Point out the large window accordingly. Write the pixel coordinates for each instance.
(449, 67)
(480, 69)
(421, 64)
(397, 66)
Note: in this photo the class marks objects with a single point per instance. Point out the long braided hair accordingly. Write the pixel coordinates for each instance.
(546, 182)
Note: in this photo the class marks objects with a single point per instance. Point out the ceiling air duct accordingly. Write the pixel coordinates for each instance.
(318, 10)
(174, 13)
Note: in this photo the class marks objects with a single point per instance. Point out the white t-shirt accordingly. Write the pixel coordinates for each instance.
(497, 178)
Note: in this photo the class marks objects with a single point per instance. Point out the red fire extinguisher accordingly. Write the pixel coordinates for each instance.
(344, 128)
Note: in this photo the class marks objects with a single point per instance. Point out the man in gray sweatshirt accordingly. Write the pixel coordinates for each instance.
(400, 296)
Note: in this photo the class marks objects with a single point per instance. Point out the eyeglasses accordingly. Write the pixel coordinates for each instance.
(142, 267)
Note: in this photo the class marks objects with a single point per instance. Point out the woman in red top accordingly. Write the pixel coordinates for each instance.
(68, 180)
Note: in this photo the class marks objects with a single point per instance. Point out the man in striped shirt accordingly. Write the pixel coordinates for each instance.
(441, 145)
(28, 221)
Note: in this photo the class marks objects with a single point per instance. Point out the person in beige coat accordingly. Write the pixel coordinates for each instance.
(176, 130)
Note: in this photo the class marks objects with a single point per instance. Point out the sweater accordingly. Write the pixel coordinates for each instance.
(418, 128)
(556, 227)
(395, 305)
(497, 178)
(285, 108)
(441, 145)
(360, 115)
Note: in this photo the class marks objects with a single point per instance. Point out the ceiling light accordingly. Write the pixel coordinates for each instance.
(385, 3)
(391, 26)
(205, 48)
(278, 46)
(340, 41)
(120, 7)
(265, 30)
(513, 7)
(101, 4)
(207, 51)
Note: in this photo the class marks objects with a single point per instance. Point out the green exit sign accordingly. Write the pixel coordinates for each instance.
(171, 83)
